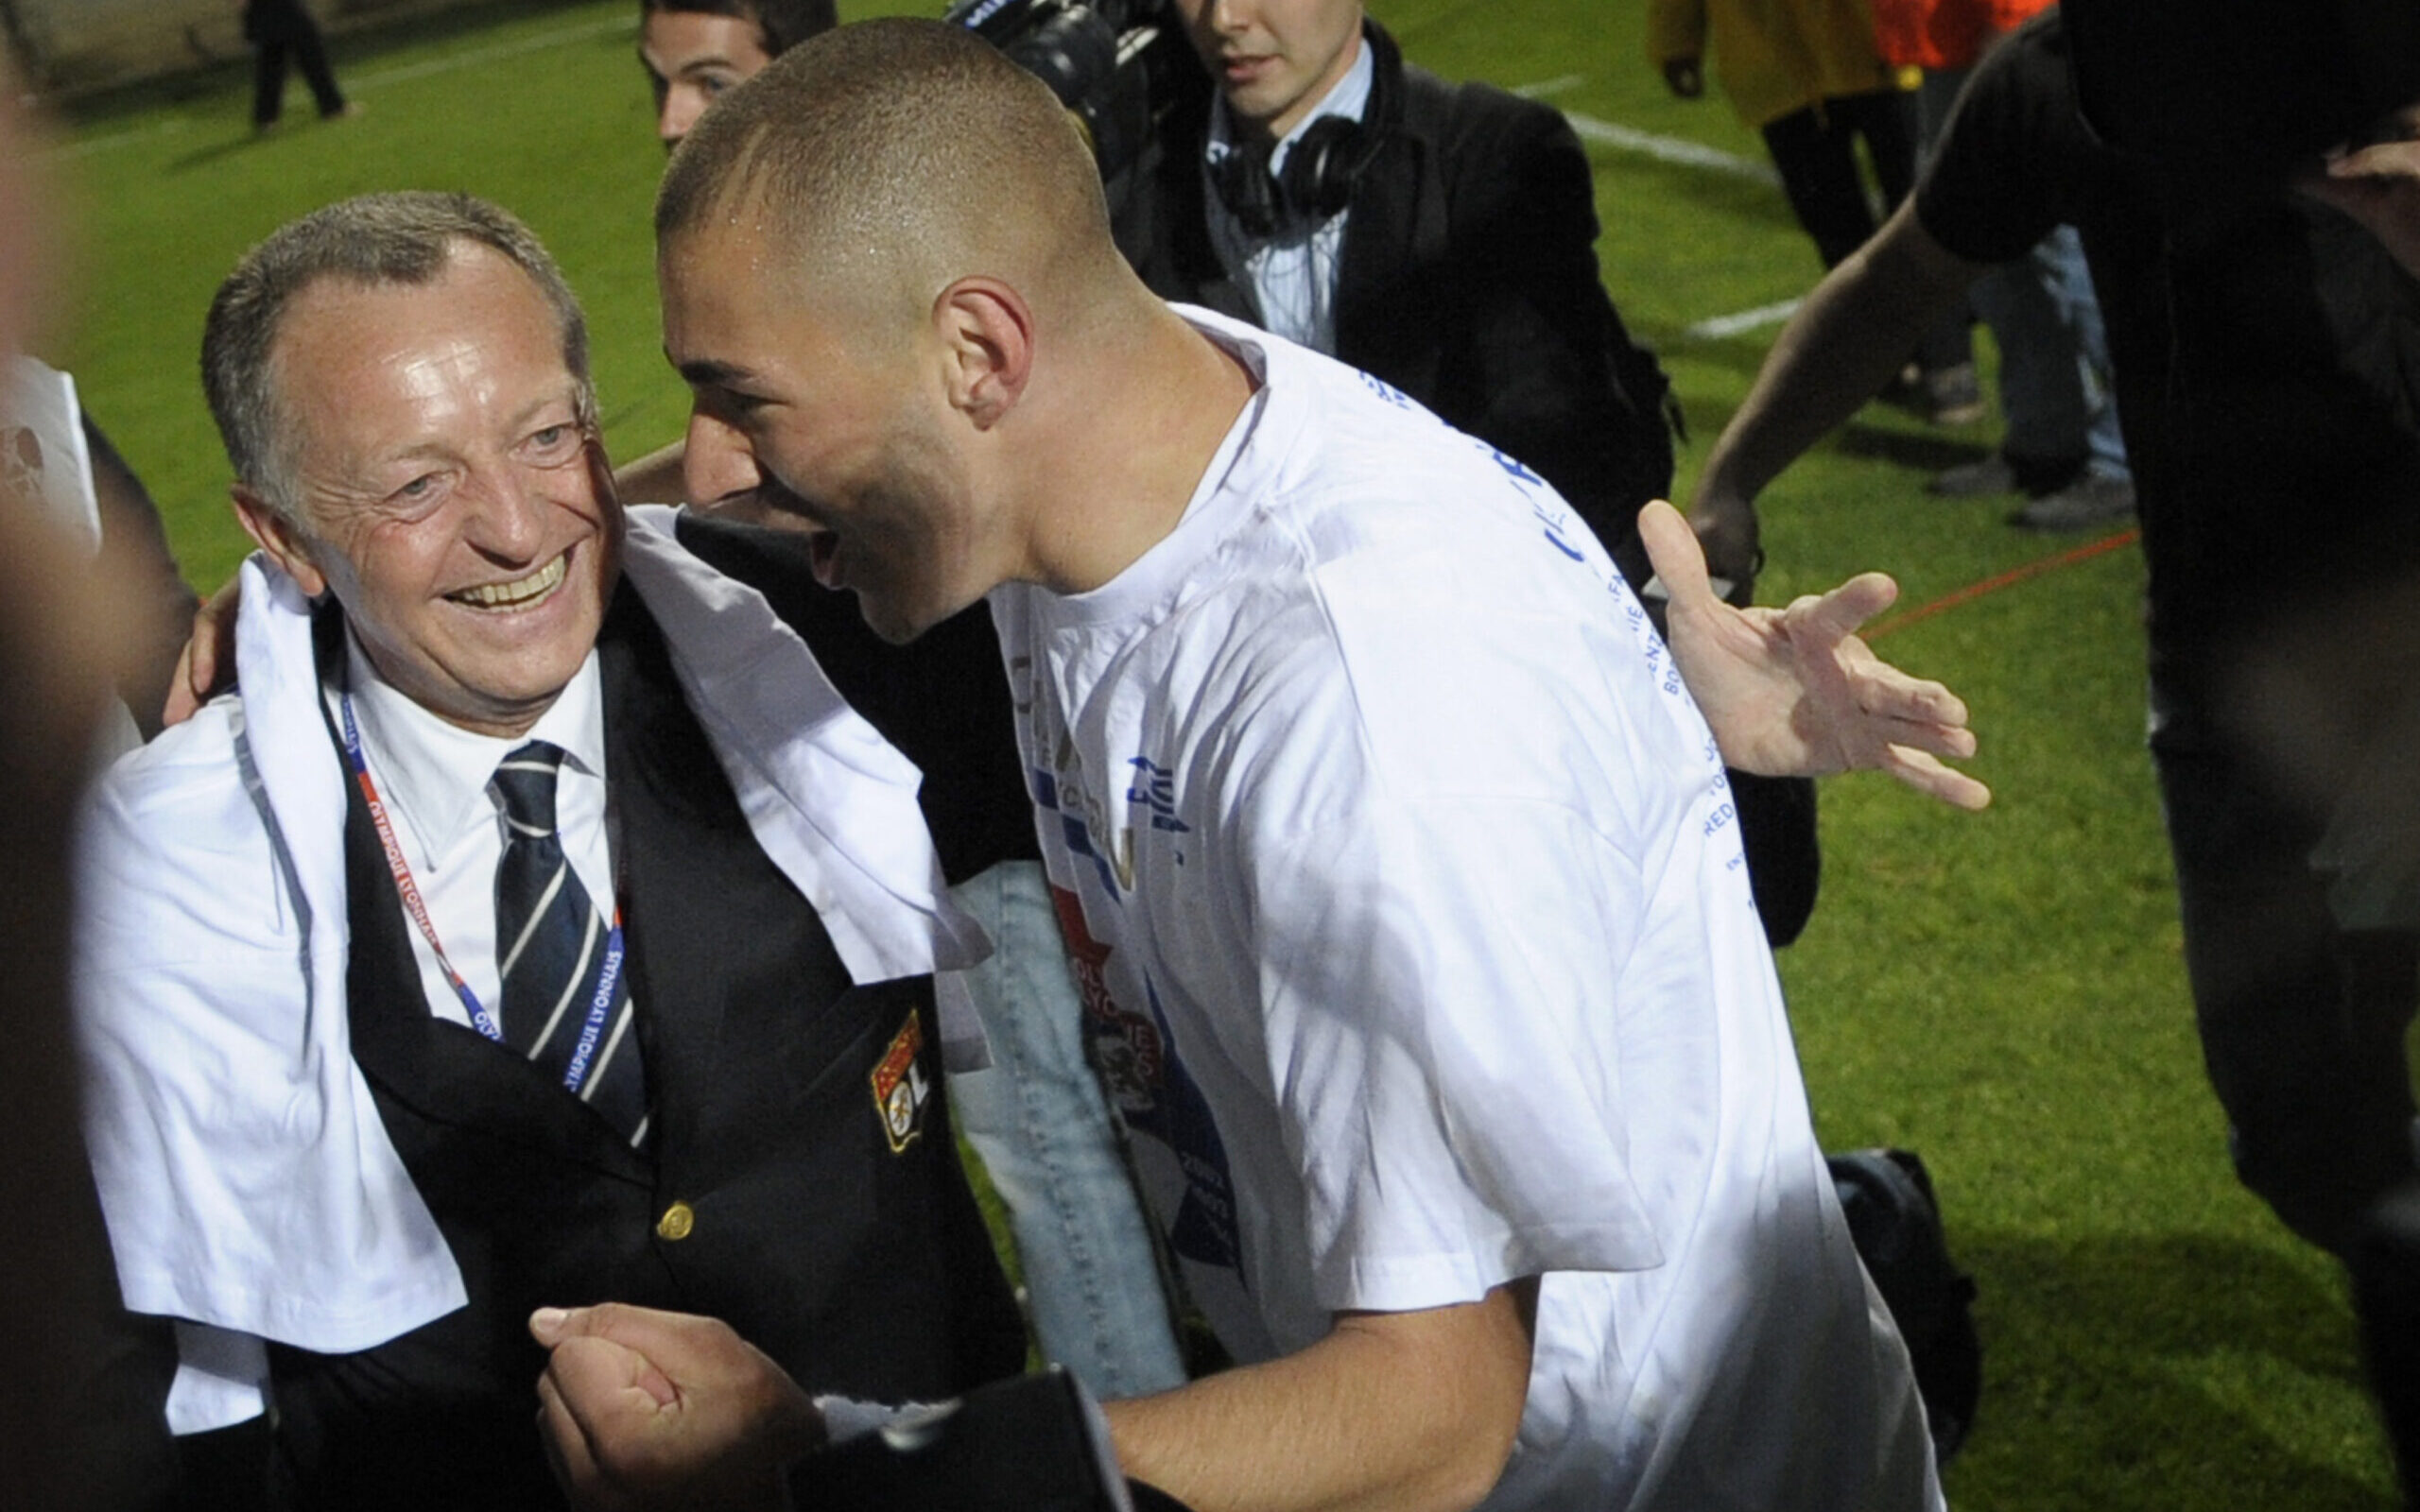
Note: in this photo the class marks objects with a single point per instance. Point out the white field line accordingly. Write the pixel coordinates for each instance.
(1559, 84)
(70, 152)
(1741, 323)
(472, 58)
(379, 79)
(1671, 149)
(1688, 154)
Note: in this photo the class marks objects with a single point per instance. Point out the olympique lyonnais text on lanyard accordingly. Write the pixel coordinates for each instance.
(600, 1003)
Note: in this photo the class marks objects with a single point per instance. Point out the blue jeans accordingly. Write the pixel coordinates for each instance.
(2054, 353)
(2054, 356)
(1055, 1153)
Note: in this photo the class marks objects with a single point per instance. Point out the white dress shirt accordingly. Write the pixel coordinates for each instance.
(1292, 273)
(436, 782)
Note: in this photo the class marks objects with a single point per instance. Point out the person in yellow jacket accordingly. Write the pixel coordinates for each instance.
(1808, 75)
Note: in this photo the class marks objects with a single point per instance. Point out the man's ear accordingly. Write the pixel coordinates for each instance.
(986, 329)
(282, 539)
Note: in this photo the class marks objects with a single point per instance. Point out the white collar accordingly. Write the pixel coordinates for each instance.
(1348, 97)
(434, 774)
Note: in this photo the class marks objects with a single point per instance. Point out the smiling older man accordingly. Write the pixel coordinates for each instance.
(535, 921)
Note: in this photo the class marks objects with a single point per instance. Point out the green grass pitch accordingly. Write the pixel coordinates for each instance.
(2003, 991)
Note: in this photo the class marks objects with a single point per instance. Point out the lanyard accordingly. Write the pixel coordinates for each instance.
(600, 1002)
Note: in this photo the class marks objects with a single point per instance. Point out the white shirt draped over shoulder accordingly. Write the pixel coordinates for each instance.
(248, 1181)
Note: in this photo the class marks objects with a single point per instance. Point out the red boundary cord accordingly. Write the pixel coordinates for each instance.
(1992, 585)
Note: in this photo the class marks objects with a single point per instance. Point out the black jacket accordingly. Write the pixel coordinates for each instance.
(1469, 279)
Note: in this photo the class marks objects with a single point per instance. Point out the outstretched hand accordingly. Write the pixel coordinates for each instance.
(1793, 692)
(643, 1410)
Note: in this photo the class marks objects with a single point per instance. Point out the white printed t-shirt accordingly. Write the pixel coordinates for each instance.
(1408, 906)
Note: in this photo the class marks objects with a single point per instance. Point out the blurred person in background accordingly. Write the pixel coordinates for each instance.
(692, 50)
(2376, 182)
(282, 31)
(1808, 76)
(2062, 444)
(2264, 345)
(54, 459)
(79, 1406)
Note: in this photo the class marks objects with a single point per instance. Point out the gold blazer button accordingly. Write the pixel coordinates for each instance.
(676, 1223)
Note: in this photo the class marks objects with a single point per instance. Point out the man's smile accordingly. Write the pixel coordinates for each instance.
(517, 593)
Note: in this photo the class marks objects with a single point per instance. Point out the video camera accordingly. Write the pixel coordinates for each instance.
(1116, 65)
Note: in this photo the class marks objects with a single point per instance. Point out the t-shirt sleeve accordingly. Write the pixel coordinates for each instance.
(1430, 971)
(1995, 186)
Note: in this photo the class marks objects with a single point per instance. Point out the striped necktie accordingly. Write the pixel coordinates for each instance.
(553, 955)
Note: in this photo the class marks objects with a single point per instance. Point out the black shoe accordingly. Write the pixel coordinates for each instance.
(2090, 500)
(1953, 395)
(2006, 472)
(1974, 480)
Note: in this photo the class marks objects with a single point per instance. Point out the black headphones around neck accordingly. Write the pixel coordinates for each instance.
(1315, 182)
(1321, 169)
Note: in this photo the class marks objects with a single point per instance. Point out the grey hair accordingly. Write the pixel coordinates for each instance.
(385, 239)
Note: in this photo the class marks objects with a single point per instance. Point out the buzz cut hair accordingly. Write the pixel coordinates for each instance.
(372, 241)
(899, 153)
